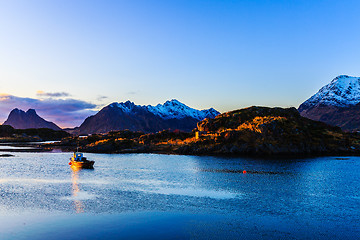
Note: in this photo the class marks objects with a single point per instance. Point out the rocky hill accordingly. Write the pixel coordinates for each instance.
(262, 130)
(337, 103)
(120, 116)
(23, 120)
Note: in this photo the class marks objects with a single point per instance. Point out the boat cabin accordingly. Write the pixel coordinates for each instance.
(78, 156)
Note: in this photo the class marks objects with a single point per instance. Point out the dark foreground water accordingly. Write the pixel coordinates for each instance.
(147, 196)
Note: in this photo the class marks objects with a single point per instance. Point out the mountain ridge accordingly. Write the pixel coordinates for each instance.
(20, 119)
(127, 115)
(337, 103)
(342, 91)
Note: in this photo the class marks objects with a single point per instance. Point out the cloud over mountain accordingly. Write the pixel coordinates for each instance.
(65, 112)
(55, 94)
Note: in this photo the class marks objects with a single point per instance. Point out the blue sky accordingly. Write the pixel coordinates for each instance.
(221, 54)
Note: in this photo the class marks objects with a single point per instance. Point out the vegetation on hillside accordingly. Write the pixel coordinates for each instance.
(262, 130)
(252, 131)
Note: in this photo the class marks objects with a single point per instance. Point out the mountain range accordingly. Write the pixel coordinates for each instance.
(337, 103)
(126, 115)
(120, 116)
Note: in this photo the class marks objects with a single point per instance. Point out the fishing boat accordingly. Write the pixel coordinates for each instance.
(79, 161)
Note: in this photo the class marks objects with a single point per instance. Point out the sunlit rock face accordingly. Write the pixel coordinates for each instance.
(126, 115)
(337, 103)
(269, 131)
(23, 120)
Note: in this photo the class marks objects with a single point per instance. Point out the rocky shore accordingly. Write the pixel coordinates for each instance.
(10, 134)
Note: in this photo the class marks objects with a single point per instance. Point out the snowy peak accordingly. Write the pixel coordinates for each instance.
(171, 115)
(342, 91)
(124, 106)
(172, 102)
(175, 109)
(172, 109)
(337, 104)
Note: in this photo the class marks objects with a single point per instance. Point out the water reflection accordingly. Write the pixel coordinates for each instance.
(79, 205)
(244, 171)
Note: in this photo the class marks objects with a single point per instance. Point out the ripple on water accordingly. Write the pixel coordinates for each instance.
(195, 192)
(81, 195)
(28, 181)
(307, 198)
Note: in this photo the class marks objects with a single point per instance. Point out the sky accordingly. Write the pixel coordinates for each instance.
(69, 58)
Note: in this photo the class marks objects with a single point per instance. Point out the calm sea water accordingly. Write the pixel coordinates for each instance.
(149, 196)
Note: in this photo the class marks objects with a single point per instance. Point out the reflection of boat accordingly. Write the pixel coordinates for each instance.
(79, 161)
(79, 206)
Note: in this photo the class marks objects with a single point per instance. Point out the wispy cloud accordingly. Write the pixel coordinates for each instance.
(64, 112)
(54, 94)
(101, 98)
(132, 92)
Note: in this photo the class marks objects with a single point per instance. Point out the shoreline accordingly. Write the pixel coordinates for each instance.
(148, 150)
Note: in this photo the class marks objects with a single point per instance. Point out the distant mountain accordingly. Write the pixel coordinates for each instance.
(19, 119)
(337, 103)
(126, 115)
(175, 109)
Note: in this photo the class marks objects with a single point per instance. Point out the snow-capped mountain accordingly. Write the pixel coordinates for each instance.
(176, 109)
(337, 103)
(341, 91)
(127, 115)
(169, 110)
